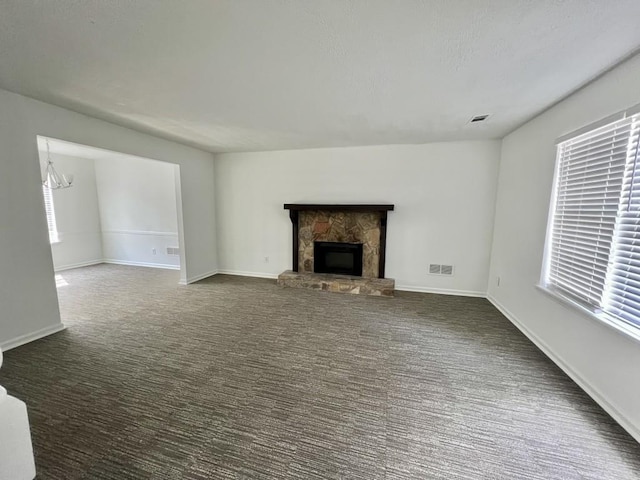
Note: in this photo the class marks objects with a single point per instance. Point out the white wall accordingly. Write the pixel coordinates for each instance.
(444, 195)
(600, 359)
(28, 301)
(77, 215)
(137, 211)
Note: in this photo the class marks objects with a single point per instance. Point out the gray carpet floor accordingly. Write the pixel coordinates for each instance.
(239, 378)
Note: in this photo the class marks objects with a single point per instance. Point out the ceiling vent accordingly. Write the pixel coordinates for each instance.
(479, 118)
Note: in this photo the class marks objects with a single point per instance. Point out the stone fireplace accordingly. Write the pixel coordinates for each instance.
(339, 248)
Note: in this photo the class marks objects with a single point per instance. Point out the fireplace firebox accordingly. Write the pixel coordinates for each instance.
(337, 257)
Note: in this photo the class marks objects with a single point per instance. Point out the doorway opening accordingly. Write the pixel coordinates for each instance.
(119, 209)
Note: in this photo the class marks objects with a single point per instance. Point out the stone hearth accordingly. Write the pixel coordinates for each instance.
(361, 224)
(382, 287)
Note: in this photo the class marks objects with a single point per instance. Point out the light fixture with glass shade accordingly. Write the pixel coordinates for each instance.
(52, 179)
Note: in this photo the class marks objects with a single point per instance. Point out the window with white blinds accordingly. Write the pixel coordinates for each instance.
(593, 241)
(51, 215)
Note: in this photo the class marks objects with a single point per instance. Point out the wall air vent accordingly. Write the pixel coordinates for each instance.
(479, 118)
(436, 269)
(173, 251)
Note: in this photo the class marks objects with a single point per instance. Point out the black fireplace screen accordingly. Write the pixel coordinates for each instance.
(337, 257)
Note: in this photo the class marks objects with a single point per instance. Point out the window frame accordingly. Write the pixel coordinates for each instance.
(622, 326)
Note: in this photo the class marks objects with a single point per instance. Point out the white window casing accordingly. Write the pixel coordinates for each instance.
(592, 255)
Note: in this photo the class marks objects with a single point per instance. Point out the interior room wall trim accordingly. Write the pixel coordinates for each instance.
(240, 273)
(30, 337)
(140, 264)
(441, 291)
(115, 261)
(88, 263)
(197, 278)
(592, 391)
(142, 232)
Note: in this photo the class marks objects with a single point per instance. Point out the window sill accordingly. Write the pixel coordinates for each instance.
(620, 326)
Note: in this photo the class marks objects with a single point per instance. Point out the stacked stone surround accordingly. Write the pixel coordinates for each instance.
(350, 227)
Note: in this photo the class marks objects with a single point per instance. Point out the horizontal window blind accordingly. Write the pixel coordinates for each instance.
(622, 289)
(594, 237)
(51, 214)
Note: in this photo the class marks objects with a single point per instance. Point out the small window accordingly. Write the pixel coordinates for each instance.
(51, 215)
(592, 253)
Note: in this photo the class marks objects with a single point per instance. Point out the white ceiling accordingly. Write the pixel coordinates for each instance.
(242, 75)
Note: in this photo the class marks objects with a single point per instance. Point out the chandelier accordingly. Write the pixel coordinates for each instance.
(52, 179)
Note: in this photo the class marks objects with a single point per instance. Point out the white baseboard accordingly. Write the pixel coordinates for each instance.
(141, 264)
(79, 265)
(441, 291)
(593, 392)
(197, 278)
(240, 273)
(142, 232)
(30, 337)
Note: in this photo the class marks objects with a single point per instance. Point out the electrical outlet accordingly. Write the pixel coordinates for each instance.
(153, 251)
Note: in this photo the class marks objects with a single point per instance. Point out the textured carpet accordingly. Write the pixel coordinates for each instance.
(239, 378)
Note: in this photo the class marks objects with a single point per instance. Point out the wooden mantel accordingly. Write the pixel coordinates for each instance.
(339, 208)
(295, 208)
